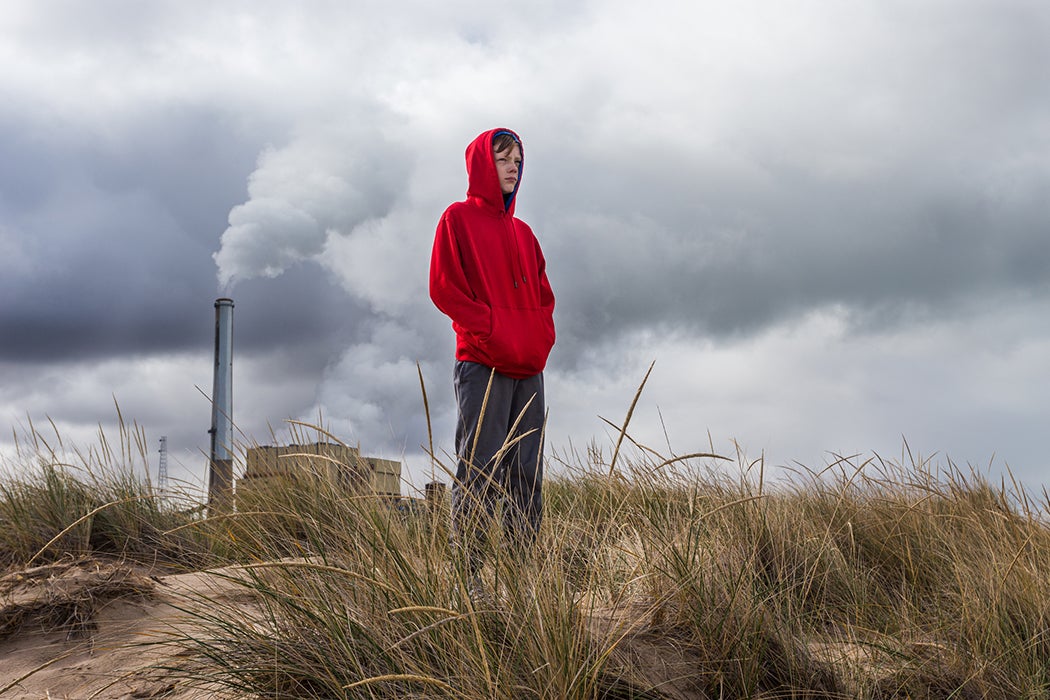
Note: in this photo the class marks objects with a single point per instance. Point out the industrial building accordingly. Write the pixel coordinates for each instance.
(285, 465)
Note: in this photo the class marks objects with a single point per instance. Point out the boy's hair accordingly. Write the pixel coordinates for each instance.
(502, 141)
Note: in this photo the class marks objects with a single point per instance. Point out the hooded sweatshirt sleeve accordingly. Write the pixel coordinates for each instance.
(546, 293)
(449, 289)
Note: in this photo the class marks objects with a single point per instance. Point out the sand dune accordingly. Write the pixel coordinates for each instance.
(94, 628)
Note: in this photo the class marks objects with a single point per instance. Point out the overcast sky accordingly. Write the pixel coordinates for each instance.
(826, 222)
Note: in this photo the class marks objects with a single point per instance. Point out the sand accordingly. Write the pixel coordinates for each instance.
(103, 629)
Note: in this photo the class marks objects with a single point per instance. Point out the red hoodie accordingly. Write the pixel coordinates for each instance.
(487, 274)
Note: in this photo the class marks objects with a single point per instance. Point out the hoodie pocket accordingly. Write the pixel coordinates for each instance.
(520, 340)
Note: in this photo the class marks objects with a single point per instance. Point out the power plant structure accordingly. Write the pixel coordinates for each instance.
(284, 466)
(220, 472)
(331, 464)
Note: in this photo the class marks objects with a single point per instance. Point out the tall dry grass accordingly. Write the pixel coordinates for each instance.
(60, 500)
(654, 577)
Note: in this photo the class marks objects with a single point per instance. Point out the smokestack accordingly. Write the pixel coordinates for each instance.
(220, 477)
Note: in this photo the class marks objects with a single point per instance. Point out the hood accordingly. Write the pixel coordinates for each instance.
(483, 183)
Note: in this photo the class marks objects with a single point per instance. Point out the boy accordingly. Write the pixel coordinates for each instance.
(488, 275)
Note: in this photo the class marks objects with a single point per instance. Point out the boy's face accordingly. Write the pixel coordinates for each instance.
(507, 164)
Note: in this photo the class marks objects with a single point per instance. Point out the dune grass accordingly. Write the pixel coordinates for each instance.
(654, 577)
(59, 501)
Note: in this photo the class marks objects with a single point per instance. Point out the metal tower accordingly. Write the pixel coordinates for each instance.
(162, 467)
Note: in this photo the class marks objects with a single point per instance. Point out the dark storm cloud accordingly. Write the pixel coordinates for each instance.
(301, 309)
(113, 236)
(726, 243)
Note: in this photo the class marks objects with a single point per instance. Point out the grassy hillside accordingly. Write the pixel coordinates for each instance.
(654, 577)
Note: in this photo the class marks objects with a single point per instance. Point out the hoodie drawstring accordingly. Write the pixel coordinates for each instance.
(519, 271)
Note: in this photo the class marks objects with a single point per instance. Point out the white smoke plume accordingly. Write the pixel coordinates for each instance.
(326, 181)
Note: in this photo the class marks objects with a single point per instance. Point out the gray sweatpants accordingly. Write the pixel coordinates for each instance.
(489, 473)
